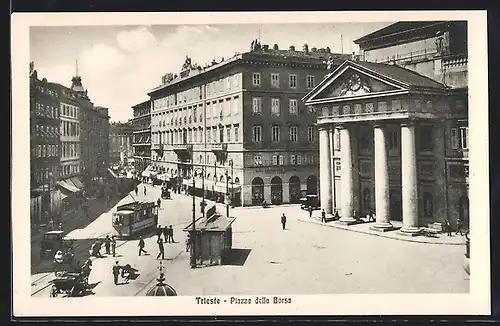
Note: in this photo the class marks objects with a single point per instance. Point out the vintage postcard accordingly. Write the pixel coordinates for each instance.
(307, 163)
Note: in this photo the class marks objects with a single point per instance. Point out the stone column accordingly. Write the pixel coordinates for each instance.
(382, 211)
(409, 179)
(331, 133)
(325, 177)
(346, 178)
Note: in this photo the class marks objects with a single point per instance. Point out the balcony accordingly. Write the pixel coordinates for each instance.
(182, 147)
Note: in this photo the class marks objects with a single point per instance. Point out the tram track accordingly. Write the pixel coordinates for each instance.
(82, 249)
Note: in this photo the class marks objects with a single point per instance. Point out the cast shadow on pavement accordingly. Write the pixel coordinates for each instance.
(237, 257)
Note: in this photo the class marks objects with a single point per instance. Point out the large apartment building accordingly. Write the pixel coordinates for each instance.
(394, 127)
(238, 127)
(120, 144)
(141, 129)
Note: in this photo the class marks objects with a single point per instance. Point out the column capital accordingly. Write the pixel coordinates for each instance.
(408, 123)
(379, 126)
(323, 127)
(342, 126)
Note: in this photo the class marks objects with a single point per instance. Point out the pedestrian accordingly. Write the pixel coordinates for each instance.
(459, 226)
(159, 202)
(116, 272)
(159, 232)
(51, 225)
(162, 250)
(165, 233)
(113, 245)
(60, 226)
(310, 209)
(323, 216)
(188, 243)
(336, 216)
(107, 244)
(371, 217)
(171, 234)
(447, 227)
(141, 246)
(144, 190)
(283, 221)
(136, 190)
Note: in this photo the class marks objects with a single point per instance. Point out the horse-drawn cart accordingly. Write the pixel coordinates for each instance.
(69, 285)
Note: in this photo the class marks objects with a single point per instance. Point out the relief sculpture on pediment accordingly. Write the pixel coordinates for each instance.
(355, 85)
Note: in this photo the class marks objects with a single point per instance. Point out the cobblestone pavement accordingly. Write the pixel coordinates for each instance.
(306, 258)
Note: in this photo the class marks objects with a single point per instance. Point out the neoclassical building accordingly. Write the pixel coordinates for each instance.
(394, 140)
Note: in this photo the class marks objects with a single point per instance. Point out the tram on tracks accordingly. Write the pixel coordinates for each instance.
(134, 218)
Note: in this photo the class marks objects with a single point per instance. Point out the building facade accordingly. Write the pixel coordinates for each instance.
(239, 126)
(394, 128)
(121, 151)
(141, 129)
(45, 198)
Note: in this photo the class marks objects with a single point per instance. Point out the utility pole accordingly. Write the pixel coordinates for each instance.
(341, 44)
(227, 195)
(193, 236)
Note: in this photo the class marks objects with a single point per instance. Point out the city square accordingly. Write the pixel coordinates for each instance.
(337, 163)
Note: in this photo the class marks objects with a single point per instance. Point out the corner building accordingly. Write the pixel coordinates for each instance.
(393, 129)
(141, 129)
(239, 126)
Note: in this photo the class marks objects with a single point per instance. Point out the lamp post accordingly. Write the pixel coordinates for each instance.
(227, 195)
(193, 236)
(232, 181)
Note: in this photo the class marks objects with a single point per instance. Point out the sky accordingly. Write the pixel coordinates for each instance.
(119, 65)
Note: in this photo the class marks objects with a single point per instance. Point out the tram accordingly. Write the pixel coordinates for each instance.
(135, 217)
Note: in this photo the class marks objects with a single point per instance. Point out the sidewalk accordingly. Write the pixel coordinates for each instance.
(442, 238)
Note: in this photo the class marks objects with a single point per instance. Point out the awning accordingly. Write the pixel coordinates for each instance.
(164, 177)
(68, 186)
(112, 173)
(77, 183)
(63, 196)
(146, 172)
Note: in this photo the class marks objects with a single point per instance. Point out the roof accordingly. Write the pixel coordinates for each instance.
(396, 28)
(216, 224)
(405, 76)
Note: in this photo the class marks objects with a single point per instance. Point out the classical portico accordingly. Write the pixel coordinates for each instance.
(377, 112)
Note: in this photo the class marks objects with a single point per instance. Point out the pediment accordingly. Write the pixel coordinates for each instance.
(351, 82)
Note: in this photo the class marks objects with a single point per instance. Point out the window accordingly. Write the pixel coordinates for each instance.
(293, 107)
(257, 134)
(275, 80)
(293, 81)
(228, 134)
(281, 160)
(275, 159)
(293, 160)
(454, 138)
(257, 160)
(228, 83)
(236, 132)
(236, 80)
(209, 110)
(310, 82)
(209, 136)
(310, 133)
(425, 138)
(275, 106)
(293, 133)
(256, 79)
(393, 140)
(275, 134)
(299, 159)
(257, 105)
(464, 137)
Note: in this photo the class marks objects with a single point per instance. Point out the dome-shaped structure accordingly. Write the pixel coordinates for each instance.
(161, 289)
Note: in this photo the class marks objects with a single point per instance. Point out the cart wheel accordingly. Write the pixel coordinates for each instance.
(53, 291)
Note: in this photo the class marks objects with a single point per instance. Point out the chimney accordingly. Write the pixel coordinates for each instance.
(314, 49)
(265, 47)
(292, 48)
(275, 47)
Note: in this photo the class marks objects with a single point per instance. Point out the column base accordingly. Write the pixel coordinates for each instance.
(348, 221)
(382, 227)
(411, 231)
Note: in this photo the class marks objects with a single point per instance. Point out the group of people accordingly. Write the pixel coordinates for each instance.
(109, 245)
(168, 235)
(459, 229)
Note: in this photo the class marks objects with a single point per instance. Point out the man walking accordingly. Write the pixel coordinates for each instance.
(107, 244)
(447, 226)
(310, 209)
(159, 203)
(283, 221)
(159, 231)
(162, 250)
(460, 224)
(113, 245)
(141, 246)
(323, 216)
(116, 272)
(171, 234)
(136, 190)
(165, 233)
(144, 190)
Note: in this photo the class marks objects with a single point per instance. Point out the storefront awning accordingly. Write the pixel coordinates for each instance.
(209, 185)
(68, 186)
(146, 172)
(76, 182)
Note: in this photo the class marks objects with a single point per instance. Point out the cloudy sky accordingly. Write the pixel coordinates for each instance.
(120, 64)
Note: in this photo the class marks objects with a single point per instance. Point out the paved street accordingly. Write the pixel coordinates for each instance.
(306, 258)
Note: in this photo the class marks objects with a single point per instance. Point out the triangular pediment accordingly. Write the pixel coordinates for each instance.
(350, 81)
